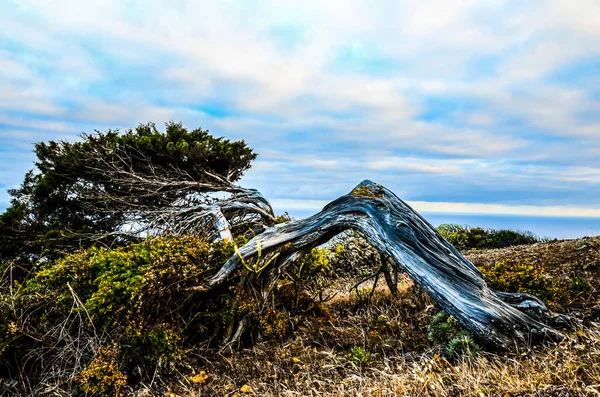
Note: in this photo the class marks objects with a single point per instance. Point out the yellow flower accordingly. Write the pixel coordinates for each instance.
(200, 378)
(12, 327)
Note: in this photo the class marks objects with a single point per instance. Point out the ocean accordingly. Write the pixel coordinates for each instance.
(543, 226)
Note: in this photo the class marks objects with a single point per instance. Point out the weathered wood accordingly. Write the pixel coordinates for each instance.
(400, 233)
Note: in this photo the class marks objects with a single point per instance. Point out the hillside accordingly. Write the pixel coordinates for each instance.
(334, 336)
(353, 347)
(565, 273)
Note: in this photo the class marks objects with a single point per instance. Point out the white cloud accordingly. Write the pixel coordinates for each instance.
(275, 71)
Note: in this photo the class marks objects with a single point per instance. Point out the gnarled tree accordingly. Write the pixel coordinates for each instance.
(113, 187)
(498, 319)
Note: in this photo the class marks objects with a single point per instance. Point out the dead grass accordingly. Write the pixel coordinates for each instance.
(296, 369)
(353, 346)
(564, 263)
(318, 361)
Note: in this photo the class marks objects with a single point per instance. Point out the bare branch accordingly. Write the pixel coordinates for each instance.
(398, 232)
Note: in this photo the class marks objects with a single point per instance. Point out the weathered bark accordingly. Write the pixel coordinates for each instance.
(165, 199)
(496, 318)
(245, 208)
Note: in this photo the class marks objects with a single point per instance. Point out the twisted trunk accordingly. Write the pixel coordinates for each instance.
(496, 318)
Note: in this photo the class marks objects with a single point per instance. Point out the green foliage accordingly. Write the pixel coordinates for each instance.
(447, 331)
(360, 355)
(115, 286)
(528, 278)
(222, 250)
(309, 277)
(460, 345)
(579, 285)
(134, 307)
(534, 279)
(443, 327)
(466, 238)
(137, 297)
(13, 229)
(65, 201)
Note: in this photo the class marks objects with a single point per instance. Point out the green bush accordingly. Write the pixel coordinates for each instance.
(130, 307)
(466, 238)
(109, 316)
(531, 278)
(527, 278)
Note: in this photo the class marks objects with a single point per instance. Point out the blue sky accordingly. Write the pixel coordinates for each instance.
(457, 106)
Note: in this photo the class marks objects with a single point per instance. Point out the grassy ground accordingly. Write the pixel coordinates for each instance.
(359, 343)
(360, 347)
(566, 274)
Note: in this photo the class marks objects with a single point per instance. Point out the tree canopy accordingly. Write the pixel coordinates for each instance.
(113, 186)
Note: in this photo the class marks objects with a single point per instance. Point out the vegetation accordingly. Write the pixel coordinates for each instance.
(300, 368)
(100, 313)
(87, 308)
(467, 238)
(104, 321)
(446, 330)
(112, 187)
(565, 274)
(107, 317)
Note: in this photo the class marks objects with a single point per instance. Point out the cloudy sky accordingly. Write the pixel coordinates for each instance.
(457, 106)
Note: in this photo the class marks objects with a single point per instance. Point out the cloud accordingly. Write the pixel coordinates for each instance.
(492, 101)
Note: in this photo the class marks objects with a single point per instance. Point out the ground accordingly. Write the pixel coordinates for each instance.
(356, 346)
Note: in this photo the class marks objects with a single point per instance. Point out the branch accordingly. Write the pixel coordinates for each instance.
(413, 245)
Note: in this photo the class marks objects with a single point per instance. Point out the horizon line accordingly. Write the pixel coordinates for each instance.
(441, 207)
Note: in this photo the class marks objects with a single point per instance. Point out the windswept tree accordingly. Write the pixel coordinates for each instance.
(113, 187)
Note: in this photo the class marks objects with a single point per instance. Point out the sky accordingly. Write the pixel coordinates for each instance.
(457, 106)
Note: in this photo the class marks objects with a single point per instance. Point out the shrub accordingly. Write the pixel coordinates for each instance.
(274, 324)
(103, 313)
(352, 255)
(309, 277)
(102, 375)
(527, 278)
(465, 237)
(108, 316)
(447, 331)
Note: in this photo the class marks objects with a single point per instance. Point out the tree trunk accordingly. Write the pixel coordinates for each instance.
(497, 319)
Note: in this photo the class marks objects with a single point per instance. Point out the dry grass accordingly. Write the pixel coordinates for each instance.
(356, 346)
(556, 371)
(319, 360)
(563, 263)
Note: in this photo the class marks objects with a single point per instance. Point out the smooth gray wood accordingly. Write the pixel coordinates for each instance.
(496, 318)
